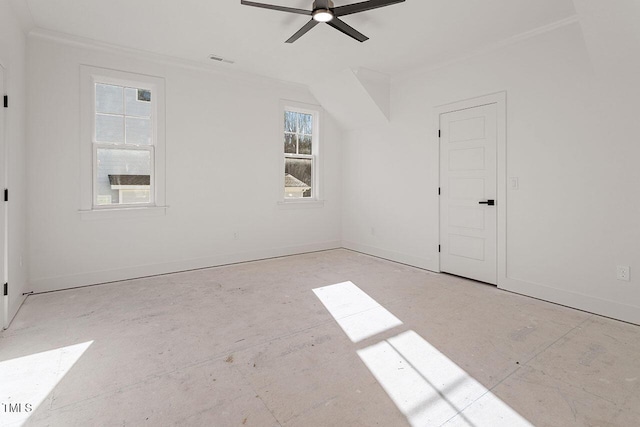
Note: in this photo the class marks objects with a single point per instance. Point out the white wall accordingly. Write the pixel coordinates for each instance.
(572, 139)
(13, 59)
(224, 174)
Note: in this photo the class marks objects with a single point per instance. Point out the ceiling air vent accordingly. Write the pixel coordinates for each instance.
(219, 59)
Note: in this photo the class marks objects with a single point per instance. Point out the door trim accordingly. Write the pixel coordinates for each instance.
(4, 179)
(500, 99)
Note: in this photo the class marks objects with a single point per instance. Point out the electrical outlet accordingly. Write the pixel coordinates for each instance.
(622, 272)
(236, 235)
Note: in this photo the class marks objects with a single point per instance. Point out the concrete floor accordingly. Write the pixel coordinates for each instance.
(251, 344)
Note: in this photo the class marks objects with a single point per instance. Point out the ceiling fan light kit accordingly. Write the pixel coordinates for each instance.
(322, 15)
(324, 11)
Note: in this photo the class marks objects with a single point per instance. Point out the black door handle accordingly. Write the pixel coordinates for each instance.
(489, 202)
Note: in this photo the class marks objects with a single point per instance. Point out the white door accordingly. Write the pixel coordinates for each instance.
(4, 300)
(468, 171)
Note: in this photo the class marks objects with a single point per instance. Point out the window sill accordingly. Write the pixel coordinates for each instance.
(300, 204)
(128, 212)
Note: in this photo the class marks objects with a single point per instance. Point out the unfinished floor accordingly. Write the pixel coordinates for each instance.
(251, 344)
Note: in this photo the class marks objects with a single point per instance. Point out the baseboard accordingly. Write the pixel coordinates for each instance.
(612, 309)
(602, 307)
(402, 258)
(97, 277)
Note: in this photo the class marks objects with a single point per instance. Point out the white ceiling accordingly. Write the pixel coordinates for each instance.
(416, 33)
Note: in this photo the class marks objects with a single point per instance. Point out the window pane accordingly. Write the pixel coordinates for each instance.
(123, 176)
(109, 99)
(138, 131)
(136, 105)
(304, 144)
(290, 121)
(290, 143)
(297, 178)
(109, 128)
(144, 95)
(306, 124)
(301, 125)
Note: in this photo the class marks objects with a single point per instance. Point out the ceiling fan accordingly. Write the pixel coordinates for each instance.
(324, 11)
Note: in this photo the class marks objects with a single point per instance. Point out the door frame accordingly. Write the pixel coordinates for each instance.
(4, 233)
(500, 99)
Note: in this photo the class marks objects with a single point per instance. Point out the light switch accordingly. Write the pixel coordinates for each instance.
(513, 183)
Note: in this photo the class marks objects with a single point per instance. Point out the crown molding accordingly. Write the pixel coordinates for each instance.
(417, 71)
(219, 68)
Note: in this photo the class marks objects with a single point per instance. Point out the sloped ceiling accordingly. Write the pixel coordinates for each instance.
(405, 36)
(355, 98)
(612, 35)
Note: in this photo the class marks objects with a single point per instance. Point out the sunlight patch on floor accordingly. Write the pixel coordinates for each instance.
(425, 385)
(25, 382)
(359, 315)
(430, 389)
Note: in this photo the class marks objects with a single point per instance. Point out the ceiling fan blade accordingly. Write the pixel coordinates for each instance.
(274, 7)
(363, 6)
(347, 29)
(302, 31)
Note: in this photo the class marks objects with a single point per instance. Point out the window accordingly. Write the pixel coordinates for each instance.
(300, 136)
(123, 145)
(125, 159)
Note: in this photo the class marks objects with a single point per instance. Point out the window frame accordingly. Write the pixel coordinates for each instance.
(91, 76)
(315, 156)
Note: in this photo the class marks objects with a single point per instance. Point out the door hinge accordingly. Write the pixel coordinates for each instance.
(6, 194)
(438, 248)
(6, 101)
(439, 133)
(6, 289)
(438, 191)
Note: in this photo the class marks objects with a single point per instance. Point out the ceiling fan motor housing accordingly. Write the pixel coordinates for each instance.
(322, 4)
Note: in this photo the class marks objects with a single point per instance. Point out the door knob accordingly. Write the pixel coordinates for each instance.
(489, 202)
